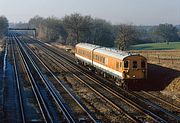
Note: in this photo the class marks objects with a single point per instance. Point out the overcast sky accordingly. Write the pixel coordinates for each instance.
(138, 12)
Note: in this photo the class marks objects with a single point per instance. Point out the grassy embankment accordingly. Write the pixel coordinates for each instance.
(157, 46)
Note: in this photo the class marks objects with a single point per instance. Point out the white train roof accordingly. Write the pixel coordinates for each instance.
(87, 46)
(112, 52)
(106, 51)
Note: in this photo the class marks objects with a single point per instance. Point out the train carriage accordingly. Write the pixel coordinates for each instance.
(120, 65)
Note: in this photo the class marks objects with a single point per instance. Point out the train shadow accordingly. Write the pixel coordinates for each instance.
(158, 79)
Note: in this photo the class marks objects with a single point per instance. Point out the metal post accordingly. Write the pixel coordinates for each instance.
(172, 60)
(35, 33)
(158, 59)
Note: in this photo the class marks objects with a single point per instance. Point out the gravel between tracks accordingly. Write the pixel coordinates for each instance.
(92, 101)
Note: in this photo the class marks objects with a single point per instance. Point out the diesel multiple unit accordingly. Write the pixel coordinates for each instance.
(119, 64)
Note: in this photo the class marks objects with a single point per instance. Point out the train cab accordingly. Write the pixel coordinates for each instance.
(134, 67)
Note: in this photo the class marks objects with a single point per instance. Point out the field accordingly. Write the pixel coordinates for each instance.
(170, 57)
(157, 46)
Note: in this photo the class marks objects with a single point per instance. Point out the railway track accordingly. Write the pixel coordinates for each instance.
(49, 113)
(36, 95)
(126, 114)
(70, 117)
(18, 84)
(10, 95)
(174, 109)
(156, 96)
(159, 96)
(168, 106)
(162, 115)
(46, 95)
(29, 103)
(165, 112)
(114, 94)
(133, 119)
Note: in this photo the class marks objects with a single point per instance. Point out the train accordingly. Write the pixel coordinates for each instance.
(120, 65)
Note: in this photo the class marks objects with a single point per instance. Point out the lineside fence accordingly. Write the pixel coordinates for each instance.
(161, 57)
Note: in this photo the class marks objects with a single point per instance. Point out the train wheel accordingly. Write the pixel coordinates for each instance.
(89, 69)
(93, 70)
(115, 79)
(118, 84)
(77, 61)
(125, 86)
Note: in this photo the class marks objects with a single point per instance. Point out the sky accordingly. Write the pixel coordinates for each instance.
(137, 12)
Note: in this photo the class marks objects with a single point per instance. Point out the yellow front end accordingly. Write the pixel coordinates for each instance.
(135, 67)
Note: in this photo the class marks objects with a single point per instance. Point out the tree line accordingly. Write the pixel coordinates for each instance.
(3, 26)
(75, 28)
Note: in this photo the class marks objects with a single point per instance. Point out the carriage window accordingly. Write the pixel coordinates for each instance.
(103, 60)
(100, 59)
(96, 57)
(143, 64)
(117, 65)
(120, 64)
(134, 64)
(106, 61)
(125, 64)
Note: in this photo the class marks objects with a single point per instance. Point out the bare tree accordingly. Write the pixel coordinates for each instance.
(76, 25)
(126, 34)
(3, 25)
(50, 29)
(102, 33)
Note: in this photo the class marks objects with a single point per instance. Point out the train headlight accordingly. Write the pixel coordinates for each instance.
(126, 72)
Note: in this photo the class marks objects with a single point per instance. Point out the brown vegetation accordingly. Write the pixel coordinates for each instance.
(65, 47)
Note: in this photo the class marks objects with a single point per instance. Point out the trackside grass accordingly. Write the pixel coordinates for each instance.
(157, 46)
